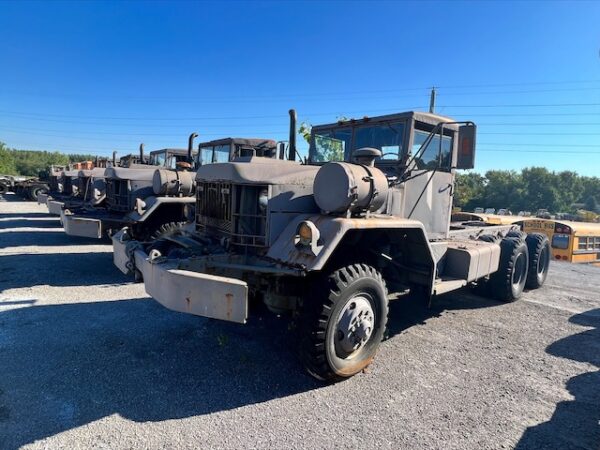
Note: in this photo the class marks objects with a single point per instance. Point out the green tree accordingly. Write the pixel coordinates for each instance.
(7, 161)
(591, 204)
(468, 190)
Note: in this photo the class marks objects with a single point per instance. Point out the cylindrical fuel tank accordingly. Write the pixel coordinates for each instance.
(340, 187)
(171, 182)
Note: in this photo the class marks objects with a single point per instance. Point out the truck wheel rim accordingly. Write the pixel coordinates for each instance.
(518, 275)
(354, 326)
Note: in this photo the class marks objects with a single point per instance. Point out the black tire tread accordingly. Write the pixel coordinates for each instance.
(165, 229)
(500, 283)
(315, 317)
(535, 243)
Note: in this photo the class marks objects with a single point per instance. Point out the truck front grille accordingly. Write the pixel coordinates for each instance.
(231, 211)
(117, 195)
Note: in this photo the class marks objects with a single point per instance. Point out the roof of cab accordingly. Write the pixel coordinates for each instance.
(425, 117)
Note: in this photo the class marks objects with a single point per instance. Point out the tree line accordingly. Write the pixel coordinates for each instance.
(529, 190)
(32, 162)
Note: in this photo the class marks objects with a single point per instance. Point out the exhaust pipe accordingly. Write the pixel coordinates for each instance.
(191, 146)
(115, 158)
(292, 150)
(142, 153)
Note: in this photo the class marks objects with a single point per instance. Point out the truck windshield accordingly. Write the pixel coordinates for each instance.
(158, 159)
(213, 154)
(337, 144)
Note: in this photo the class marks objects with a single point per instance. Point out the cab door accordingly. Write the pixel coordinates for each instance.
(429, 187)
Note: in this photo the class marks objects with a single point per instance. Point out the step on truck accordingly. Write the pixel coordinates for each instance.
(157, 197)
(330, 241)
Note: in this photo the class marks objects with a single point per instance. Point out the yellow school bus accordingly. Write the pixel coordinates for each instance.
(576, 242)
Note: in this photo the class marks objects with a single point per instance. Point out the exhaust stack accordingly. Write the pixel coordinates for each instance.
(191, 146)
(142, 153)
(114, 159)
(292, 150)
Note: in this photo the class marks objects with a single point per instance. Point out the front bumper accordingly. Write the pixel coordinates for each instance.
(184, 291)
(55, 207)
(195, 293)
(42, 198)
(82, 226)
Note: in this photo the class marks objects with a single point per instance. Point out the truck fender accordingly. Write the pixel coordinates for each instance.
(334, 230)
(146, 208)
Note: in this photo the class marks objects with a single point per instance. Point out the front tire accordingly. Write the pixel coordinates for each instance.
(343, 322)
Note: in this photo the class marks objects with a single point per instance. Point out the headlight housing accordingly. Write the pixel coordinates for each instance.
(307, 236)
(263, 200)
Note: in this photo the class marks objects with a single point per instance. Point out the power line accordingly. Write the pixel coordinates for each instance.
(344, 93)
(530, 105)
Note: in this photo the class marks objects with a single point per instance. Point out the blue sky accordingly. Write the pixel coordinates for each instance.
(96, 77)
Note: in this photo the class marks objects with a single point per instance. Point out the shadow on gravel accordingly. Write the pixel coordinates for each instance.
(57, 237)
(30, 215)
(575, 423)
(69, 365)
(410, 310)
(21, 222)
(59, 269)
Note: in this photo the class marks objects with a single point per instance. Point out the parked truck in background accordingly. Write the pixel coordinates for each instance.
(152, 199)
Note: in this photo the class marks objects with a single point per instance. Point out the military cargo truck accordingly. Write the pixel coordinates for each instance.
(330, 241)
(151, 200)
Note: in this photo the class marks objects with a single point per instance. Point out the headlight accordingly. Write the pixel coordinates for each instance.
(189, 212)
(307, 235)
(263, 200)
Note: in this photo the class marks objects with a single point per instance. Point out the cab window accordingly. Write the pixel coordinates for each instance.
(205, 156)
(221, 154)
(386, 137)
(330, 145)
(430, 156)
(158, 159)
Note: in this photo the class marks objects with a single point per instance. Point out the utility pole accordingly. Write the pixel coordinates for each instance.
(432, 100)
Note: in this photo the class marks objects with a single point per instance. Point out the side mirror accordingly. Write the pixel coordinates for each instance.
(466, 146)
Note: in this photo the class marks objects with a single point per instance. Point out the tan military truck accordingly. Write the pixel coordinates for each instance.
(367, 216)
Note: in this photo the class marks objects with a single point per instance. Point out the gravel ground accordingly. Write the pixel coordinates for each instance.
(88, 360)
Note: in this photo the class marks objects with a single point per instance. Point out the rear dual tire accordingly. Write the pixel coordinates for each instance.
(508, 282)
(540, 252)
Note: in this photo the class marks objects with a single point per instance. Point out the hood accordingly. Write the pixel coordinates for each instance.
(258, 170)
(97, 172)
(71, 173)
(121, 173)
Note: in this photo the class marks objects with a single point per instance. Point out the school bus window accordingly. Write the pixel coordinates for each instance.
(582, 243)
(560, 241)
(590, 245)
(597, 243)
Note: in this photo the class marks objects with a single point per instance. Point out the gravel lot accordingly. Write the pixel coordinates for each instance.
(88, 360)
